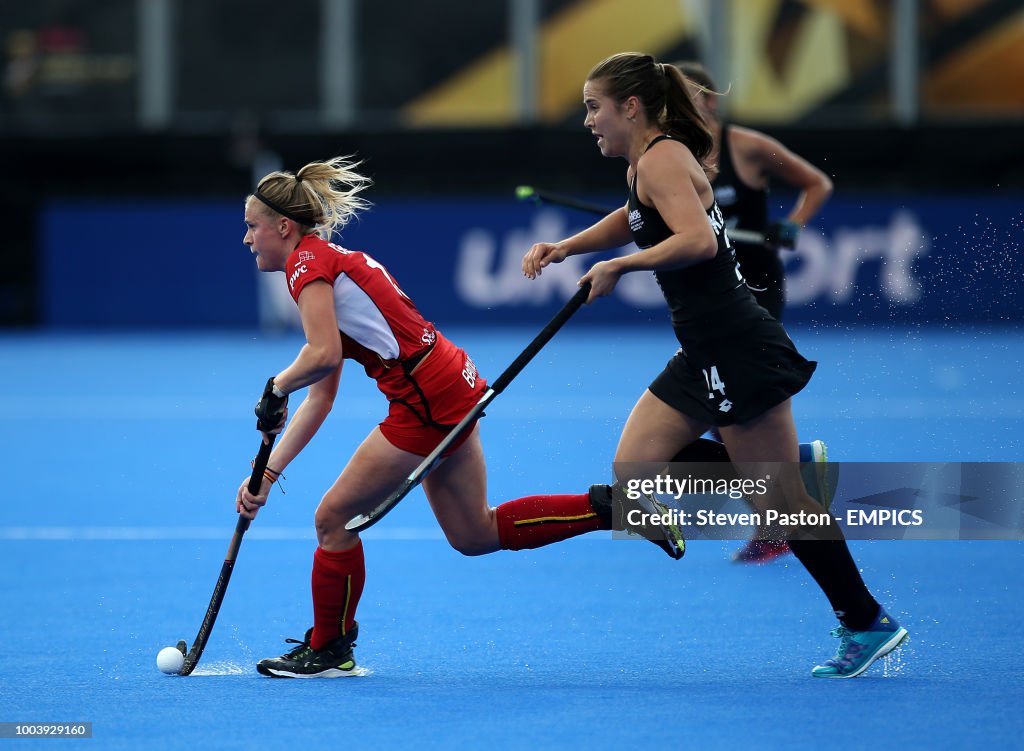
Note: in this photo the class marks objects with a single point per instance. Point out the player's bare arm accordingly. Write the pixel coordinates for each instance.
(659, 185)
(322, 352)
(307, 420)
(610, 232)
(318, 366)
(768, 158)
(303, 426)
(679, 204)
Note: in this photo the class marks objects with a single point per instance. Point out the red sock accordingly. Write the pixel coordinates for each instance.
(539, 520)
(338, 578)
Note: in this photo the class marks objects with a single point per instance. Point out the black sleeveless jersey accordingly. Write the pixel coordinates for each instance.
(742, 206)
(707, 299)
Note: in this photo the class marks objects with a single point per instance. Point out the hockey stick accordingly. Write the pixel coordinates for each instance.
(364, 521)
(255, 481)
(531, 194)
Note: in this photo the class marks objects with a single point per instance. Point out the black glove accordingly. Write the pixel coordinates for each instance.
(782, 234)
(270, 408)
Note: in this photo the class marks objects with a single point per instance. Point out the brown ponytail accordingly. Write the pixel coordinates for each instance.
(663, 95)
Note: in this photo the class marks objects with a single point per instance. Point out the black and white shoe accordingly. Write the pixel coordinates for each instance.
(334, 660)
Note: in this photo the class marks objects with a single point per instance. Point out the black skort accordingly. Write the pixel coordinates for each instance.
(732, 380)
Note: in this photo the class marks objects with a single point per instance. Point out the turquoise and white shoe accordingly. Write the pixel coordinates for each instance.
(820, 477)
(858, 649)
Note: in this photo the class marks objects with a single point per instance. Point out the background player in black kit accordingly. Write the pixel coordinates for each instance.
(747, 160)
(736, 369)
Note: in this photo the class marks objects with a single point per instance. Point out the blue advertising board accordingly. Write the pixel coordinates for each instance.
(870, 261)
(143, 264)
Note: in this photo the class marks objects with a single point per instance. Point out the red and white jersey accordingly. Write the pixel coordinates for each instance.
(379, 325)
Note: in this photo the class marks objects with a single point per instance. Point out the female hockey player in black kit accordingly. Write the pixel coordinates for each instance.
(737, 368)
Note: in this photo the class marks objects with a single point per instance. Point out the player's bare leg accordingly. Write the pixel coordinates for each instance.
(457, 492)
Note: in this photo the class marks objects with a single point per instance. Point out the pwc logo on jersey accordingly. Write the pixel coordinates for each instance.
(299, 270)
(306, 255)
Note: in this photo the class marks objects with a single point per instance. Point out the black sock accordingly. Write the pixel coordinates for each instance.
(832, 566)
(705, 451)
(828, 561)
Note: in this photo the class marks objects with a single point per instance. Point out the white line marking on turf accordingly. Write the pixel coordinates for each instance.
(908, 407)
(200, 533)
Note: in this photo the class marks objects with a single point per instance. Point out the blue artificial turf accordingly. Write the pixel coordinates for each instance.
(122, 455)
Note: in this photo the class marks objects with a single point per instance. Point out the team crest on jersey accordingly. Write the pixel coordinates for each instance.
(636, 220)
(306, 255)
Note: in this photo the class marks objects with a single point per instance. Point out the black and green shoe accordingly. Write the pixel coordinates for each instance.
(658, 523)
(334, 660)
